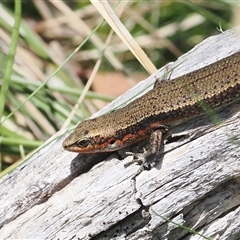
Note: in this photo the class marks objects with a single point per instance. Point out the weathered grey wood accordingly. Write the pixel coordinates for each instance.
(196, 181)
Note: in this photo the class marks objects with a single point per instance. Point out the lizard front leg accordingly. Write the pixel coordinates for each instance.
(156, 144)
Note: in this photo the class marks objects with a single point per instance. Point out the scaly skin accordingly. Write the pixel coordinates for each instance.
(167, 104)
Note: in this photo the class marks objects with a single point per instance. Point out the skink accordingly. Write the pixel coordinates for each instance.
(166, 105)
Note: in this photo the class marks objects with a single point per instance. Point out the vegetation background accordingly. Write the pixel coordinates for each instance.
(54, 32)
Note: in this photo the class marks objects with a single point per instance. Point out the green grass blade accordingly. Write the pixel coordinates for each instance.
(11, 56)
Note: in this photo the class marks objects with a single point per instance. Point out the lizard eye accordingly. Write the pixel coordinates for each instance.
(83, 143)
(112, 141)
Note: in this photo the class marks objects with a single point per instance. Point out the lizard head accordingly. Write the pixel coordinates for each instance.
(89, 137)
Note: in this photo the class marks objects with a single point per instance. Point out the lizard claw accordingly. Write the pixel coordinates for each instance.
(140, 158)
